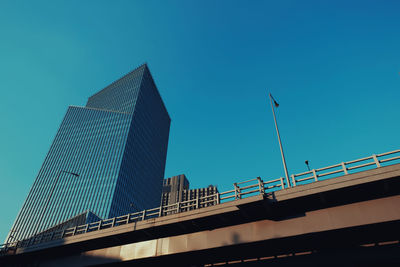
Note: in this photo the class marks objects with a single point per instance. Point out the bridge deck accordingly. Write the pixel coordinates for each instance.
(366, 199)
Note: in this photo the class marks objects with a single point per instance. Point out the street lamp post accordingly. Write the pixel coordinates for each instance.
(50, 195)
(307, 163)
(279, 139)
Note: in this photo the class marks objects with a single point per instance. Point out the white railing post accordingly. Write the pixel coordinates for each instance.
(178, 207)
(144, 215)
(282, 183)
(236, 190)
(378, 164)
(293, 180)
(315, 175)
(344, 168)
(218, 200)
(260, 185)
(161, 211)
(197, 202)
(238, 194)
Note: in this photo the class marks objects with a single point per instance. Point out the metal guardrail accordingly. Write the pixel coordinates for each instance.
(374, 161)
(242, 189)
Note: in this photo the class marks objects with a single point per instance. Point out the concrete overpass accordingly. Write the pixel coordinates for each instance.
(351, 219)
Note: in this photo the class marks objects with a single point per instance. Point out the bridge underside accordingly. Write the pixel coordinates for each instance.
(345, 233)
(347, 247)
(350, 220)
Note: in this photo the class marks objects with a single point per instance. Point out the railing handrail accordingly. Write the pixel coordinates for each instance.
(388, 153)
(348, 165)
(263, 187)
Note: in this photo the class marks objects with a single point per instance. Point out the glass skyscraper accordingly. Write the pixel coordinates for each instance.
(107, 158)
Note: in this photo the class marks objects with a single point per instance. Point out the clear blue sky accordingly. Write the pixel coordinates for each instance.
(334, 67)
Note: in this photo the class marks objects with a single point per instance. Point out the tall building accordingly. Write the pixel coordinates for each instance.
(173, 189)
(207, 194)
(176, 189)
(107, 158)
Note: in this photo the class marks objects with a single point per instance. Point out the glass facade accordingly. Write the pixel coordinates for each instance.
(117, 144)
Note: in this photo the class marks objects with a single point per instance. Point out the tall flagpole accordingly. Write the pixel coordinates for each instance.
(279, 139)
